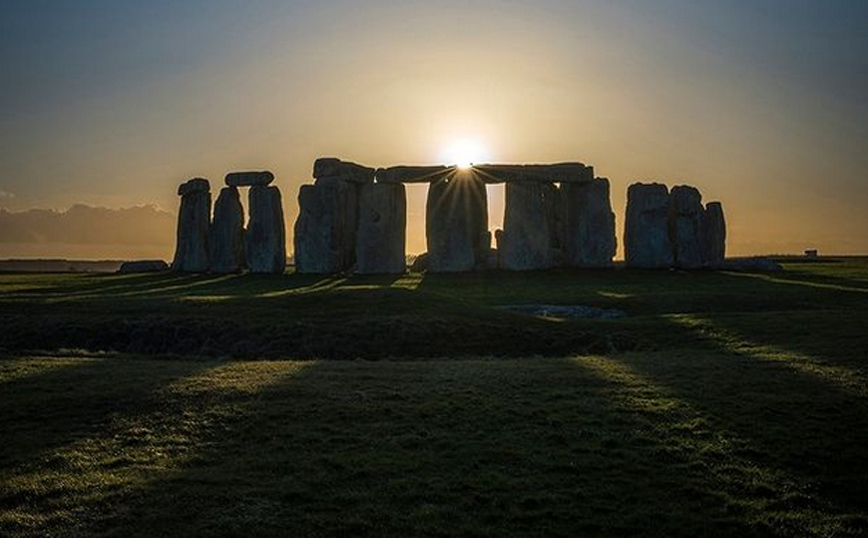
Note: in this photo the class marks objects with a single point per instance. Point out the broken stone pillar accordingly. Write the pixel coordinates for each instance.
(194, 221)
(685, 226)
(381, 236)
(587, 224)
(529, 227)
(226, 241)
(265, 240)
(456, 224)
(713, 235)
(325, 231)
(646, 227)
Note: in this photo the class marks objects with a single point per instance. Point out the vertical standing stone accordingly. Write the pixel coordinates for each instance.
(685, 226)
(226, 241)
(194, 220)
(529, 226)
(265, 241)
(713, 235)
(456, 224)
(325, 230)
(646, 227)
(588, 224)
(381, 237)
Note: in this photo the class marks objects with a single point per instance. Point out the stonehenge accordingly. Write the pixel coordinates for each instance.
(666, 229)
(222, 245)
(353, 218)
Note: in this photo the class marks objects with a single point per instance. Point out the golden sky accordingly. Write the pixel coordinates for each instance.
(760, 104)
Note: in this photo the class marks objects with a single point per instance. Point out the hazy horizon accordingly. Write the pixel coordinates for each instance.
(759, 104)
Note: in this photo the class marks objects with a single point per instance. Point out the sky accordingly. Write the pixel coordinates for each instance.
(761, 104)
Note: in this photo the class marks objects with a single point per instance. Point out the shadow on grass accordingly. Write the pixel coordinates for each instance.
(803, 412)
(475, 448)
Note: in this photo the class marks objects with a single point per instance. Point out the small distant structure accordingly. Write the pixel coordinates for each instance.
(811, 253)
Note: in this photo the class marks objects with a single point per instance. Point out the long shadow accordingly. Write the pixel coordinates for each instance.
(475, 448)
(798, 411)
(48, 409)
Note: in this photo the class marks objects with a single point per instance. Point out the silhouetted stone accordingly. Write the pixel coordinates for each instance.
(646, 227)
(265, 240)
(194, 221)
(685, 226)
(336, 169)
(227, 233)
(587, 224)
(546, 173)
(413, 174)
(325, 231)
(196, 184)
(382, 229)
(143, 266)
(249, 179)
(713, 235)
(529, 226)
(420, 263)
(456, 224)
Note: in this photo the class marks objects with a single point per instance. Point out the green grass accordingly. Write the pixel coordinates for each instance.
(725, 405)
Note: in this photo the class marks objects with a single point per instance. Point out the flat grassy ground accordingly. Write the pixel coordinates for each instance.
(725, 404)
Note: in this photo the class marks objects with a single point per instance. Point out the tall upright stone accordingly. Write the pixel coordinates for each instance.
(194, 221)
(226, 241)
(325, 231)
(587, 224)
(529, 234)
(265, 240)
(382, 232)
(646, 227)
(713, 235)
(456, 224)
(685, 226)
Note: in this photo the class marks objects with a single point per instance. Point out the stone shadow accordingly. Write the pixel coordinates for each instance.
(554, 448)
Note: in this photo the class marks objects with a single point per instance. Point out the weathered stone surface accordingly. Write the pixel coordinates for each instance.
(420, 264)
(194, 221)
(646, 227)
(249, 179)
(265, 240)
(227, 233)
(143, 266)
(414, 174)
(685, 226)
(713, 235)
(197, 184)
(456, 224)
(546, 173)
(325, 231)
(587, 224)
(529, 226)
(331, 167)
(380, 246)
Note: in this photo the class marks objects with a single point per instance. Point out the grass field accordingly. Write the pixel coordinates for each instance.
(725, 404)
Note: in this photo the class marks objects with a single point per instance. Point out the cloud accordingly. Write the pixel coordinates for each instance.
(88, 225)
(6, 195)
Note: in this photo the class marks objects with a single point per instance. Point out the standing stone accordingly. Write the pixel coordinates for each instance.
(194, 220)
(587, 224)
(685, 226)
(713, 235)
(227, 233)
(646, 227)
(380, 246)
(456, 224)
(529, 227)
(265, 241)
(325, 231)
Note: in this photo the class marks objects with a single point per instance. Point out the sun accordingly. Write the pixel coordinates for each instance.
(464, 152)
